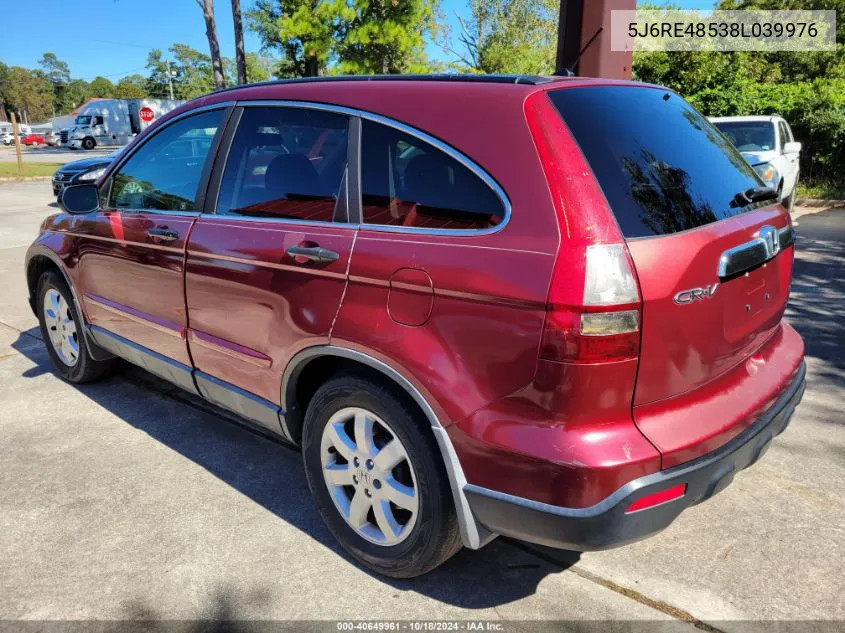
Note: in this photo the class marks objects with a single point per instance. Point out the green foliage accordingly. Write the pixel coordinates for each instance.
(316, 37)
(131, 87)
(190, 69)
(506, 36)
(806, 88)
(26, 91)
(56, 71)
(385, 36)
(72, 94)
(101, 87)
(258, 68)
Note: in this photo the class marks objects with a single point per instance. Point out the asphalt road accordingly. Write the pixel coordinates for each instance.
(47, 154)
(129, 500)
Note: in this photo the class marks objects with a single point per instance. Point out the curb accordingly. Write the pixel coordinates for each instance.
(819, 202)
(24, 179)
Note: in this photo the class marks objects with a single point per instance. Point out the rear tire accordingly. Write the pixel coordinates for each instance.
(63, 333)
(403, 539)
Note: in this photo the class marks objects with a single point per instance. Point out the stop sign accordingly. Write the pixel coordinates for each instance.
(146, 114)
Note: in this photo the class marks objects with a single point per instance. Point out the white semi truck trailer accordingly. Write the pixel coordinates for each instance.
(114, 122)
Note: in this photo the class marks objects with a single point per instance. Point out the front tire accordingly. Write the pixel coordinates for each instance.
(62, 331)
(377, 478)
(790, 199)
(88, 143)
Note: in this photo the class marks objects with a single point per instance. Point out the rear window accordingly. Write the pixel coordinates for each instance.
(662, 166)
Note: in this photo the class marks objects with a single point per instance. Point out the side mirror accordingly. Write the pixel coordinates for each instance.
(793, 147)
(80, 199)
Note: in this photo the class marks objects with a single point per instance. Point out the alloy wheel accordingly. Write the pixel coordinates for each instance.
(61, 327)
(369, 476)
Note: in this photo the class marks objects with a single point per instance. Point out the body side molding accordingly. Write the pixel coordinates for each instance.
(473, 534)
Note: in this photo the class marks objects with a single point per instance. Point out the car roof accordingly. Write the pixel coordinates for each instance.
(338, 89)
(742, 119)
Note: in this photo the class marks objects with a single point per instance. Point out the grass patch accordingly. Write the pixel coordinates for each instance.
(821, 190)
(10, 170)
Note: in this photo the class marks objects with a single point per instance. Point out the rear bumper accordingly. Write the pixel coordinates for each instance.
(607, 524)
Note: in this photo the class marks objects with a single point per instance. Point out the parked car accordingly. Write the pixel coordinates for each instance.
(8, 138)
(543, 322)
(53, 139)
(34, 139)
(766, 142)
(80, 172)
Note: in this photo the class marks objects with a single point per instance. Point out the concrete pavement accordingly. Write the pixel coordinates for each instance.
(129, 499)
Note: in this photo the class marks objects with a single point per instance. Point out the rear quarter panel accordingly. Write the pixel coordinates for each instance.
(488, 291)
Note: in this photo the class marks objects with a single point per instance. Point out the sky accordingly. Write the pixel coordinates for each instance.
(112, 37)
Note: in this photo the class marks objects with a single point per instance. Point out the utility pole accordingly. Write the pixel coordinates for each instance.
(17, 144)
(583, 44)
(169, 78)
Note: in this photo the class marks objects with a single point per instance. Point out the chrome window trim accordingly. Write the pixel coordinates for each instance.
(241, 218)
(238, 218)
(128, 155)
(411, 131)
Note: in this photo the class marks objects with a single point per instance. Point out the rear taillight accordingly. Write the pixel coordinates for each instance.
(593, 307)
(605, 326)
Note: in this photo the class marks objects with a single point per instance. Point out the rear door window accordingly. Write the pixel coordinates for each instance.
(406, 181)
(662, 166)
(285, 163)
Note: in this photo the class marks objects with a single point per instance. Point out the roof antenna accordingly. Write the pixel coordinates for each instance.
(569, 70)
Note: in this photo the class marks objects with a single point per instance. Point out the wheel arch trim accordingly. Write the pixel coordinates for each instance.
(473, 534)
(36, 250)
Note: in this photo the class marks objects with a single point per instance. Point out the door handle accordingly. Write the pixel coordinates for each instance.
(313, 254)
(163, 234)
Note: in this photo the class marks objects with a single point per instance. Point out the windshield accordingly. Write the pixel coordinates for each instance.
(749, 136)
(83, 120)
(662, 166)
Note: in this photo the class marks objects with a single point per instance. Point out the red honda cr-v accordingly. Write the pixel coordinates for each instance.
(544, 308)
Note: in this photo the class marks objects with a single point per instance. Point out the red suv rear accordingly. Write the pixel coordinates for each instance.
(544, 308)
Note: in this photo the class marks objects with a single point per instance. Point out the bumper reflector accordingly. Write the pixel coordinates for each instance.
(656, 498)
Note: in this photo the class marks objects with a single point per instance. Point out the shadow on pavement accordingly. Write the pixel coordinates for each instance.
(817, 299)
(498, 574)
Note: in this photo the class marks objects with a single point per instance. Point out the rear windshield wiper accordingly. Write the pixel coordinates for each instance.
(755, 194)
(761, 194)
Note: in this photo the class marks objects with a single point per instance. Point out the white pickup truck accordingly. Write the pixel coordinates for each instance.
(766, 142)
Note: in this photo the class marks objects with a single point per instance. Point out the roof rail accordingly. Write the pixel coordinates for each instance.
(532, 80)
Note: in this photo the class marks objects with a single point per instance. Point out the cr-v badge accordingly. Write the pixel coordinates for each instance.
(693, 294)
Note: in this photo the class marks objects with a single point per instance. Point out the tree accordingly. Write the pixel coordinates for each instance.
(193, 74)
(385, 36)
(27, 92)
(131, 87)
(240, 57)
(354, 36)
(207, 7)
(57, 71)
(72, 94)
(301, 30)
(101, 87)
(507, 36)
(258, 68)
